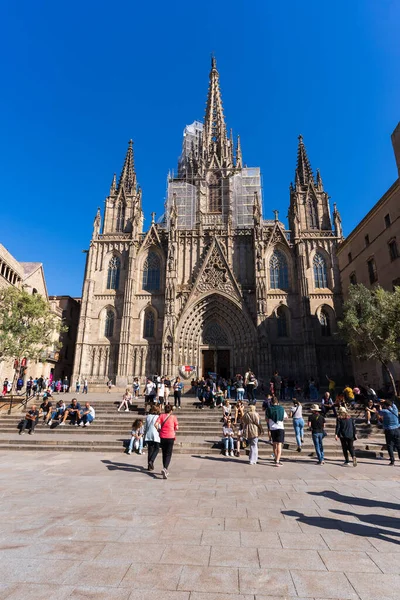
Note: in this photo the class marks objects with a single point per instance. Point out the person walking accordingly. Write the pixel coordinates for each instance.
(151, 435)
(389, 415)
(251, 431)
(316, 422)
(109, 386)
(168, 426)
(346, 432)
(298, 422)
(276, 415)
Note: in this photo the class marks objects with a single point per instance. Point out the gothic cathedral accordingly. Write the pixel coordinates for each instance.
(212, 285)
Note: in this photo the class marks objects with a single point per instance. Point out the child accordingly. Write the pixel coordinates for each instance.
(137, 437)
(228, 437)
(136, 387)
(227, 409)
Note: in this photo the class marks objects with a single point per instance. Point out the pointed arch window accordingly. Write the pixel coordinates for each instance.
(278, 271)
(312, 215)
(281, 316)
(149, 321)
(120, 224)
(109, 324)
(114, 268)
(320, 271)
(325, 323)
(151, 273)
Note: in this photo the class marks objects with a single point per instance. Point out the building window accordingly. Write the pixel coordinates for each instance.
(149, 324)
(320, 271)
(120, 224)
(393, 250)
(109, 324)
(151, 273)
(387, 221)
(282, 322)
(372, 272)
(353, 279)
(114, 267)
(278, 271)
(215, 197)
(349, 256)
(325, 323)
(366, 238)
(312, 214)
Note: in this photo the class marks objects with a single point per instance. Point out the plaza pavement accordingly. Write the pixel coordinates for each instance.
(84, 525)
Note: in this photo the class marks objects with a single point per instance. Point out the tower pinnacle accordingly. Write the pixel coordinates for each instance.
(304, 174)
(215, 142)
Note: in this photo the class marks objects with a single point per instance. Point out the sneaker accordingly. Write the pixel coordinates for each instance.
(140, 452)
(164, 473)
(179, 407)
(22, 433)
(346, 462)
(81, 424)
(87, 424)
(226, 452)
(62, 424)
(298, 448)
(231, 453)
(76, 425)
(49, 423)
(127, 410)
(129, 452)
(354, 461)
(31, 432)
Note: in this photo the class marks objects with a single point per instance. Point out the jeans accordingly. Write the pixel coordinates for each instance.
(253, 450)
(78, 387)
(347, 447)
(56, 413)
(87, 419)
(392, 442)
(228, 392)
(318, 445)
(240, 394)
(167, 445)
(177, 398)
(153, 448)
(28, 423)
(228, 441)
(250, 393)
(298, 425)
(140, 449)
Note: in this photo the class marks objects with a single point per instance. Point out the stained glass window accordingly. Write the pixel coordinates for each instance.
(151, 273)
(114, 267)
(320, 271)
(278, 270)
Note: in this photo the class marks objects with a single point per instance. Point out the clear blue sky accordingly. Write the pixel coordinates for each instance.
(81, 78)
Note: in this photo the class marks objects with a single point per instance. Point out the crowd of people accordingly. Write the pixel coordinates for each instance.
(58, 414)
(37, 386)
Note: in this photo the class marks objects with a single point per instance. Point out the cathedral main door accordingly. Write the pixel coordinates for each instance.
(216, 361)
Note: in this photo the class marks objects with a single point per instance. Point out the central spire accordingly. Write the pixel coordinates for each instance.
(304, 174)
(128, 175)
(215, 142)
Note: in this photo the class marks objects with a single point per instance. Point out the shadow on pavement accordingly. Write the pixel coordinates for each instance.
(116, 466)
(354, 500)
(343, 526)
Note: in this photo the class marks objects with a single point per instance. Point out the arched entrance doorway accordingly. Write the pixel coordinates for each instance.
(215, 334)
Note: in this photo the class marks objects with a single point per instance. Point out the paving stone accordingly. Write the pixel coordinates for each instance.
(231, 556)
(157, 595)
(260, 539)
(35, 591)
(220, 538)
(152, 577)
(302, 541)
(283, 558)
(387, 562)
(99, 593)
(133, 552)
(30, 570)
(382, 587)
(349, 562)
(258, 581)
(97, 573)
(325, 585)
(242, 524)
(339, 541)
(209, 579)
(185, 555)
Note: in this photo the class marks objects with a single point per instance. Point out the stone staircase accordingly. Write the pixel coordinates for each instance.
(200, 432)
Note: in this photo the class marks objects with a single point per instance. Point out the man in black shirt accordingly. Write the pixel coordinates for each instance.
(45, 409)
(316, 423)
(31, 418)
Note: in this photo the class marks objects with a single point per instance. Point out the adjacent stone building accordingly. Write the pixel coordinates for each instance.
(371, 255)
(212, 285)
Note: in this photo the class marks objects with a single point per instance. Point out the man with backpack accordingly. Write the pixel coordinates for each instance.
(389, 415)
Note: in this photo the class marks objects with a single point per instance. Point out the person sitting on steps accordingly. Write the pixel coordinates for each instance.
(228, 434)
(73, 412)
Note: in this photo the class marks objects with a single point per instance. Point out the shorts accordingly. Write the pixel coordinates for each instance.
(278, 435)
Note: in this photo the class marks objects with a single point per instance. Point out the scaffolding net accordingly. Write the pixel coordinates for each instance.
(185, 202)
(245, 184)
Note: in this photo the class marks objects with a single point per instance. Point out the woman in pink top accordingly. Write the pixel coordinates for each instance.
(168, 424)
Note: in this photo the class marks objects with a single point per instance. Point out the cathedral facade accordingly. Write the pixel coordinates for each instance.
(212, 286)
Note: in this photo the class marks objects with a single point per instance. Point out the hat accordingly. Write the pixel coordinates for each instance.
(315, 407)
